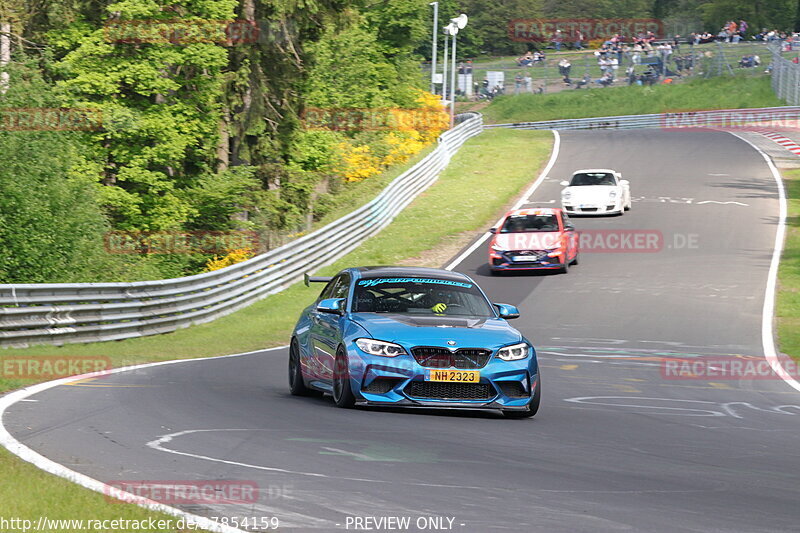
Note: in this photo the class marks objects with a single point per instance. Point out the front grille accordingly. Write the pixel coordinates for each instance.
(450, 391)
(589, 209)
(380, 385)
(463, 358)
(513, 389)
(610, 207)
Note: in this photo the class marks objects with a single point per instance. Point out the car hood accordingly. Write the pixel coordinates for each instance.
(530, 240)
(431, 330)
(591, 191)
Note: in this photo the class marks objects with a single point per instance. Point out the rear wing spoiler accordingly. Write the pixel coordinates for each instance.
(315, 279)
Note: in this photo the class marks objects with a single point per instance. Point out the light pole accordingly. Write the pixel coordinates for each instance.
(444, 65)
(434, 51)
(456, 24)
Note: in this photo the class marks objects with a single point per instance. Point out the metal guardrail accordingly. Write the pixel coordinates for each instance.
(87, 312)
(728, 119)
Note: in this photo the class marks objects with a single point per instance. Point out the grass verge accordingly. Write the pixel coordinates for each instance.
(714, 93)
(447, 208)
(788, 298)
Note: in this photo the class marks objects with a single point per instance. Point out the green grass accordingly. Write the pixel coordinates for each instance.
(714, 93)
(788, 297)
(447, 208)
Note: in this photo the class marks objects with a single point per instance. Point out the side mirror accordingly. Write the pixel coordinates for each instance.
(507, 311)
(565, 183)
(624, 182)
(492, 230)
(331, 305)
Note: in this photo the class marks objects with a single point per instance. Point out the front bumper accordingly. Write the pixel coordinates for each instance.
(502, 261)
(595, 208)
(401, 381)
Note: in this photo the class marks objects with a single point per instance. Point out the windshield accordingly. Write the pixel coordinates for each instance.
(529, 223)
(593, 178)
(421, 296)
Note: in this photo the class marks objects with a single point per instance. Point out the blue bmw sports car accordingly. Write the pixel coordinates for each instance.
(412, 337)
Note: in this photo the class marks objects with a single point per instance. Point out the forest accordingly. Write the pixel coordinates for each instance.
(192, 117)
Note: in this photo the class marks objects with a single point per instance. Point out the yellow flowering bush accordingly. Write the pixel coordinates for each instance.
(402, 146)
(231, 258)
(411, 131)
(358, 162)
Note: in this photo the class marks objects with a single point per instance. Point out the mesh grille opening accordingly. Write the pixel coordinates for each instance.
(450, 391)
(463, 358)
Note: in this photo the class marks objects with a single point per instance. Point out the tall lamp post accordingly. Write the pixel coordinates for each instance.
(444, 65)
(434, 51)
(456, 24)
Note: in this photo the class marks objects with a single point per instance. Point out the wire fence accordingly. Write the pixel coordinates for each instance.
(785, 74)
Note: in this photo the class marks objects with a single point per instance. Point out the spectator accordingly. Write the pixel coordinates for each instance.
(584, 82)
(557, 38)
(636, 57)
(605, 80)
(526, 60)
(519, 80)
(564, 66)
(578, 40)
(631, 75)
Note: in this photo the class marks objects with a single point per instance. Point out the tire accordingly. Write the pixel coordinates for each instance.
(297, 386)
(532, 407)
(575, 261)
(342, 390)
(565, 267)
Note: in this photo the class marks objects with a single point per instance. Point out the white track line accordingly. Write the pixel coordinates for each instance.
(43, 463)
(767, 314)
(523, 199)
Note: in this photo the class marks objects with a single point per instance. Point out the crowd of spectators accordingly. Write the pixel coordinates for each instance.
(644, 59)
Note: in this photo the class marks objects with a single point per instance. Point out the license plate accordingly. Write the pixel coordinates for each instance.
(587, 206)
(458, 376)
(522, 258)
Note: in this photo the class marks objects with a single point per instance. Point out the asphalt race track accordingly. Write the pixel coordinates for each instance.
(616, 446)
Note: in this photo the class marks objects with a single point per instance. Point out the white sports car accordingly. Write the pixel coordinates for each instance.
(596, 191)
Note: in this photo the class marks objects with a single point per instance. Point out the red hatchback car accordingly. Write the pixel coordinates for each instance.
(531, 239)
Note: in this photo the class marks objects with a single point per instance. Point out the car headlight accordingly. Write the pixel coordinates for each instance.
(566, 195)
(554, 252)
(514, 353)
(612, 194)
(383, 348)
(497, 248)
